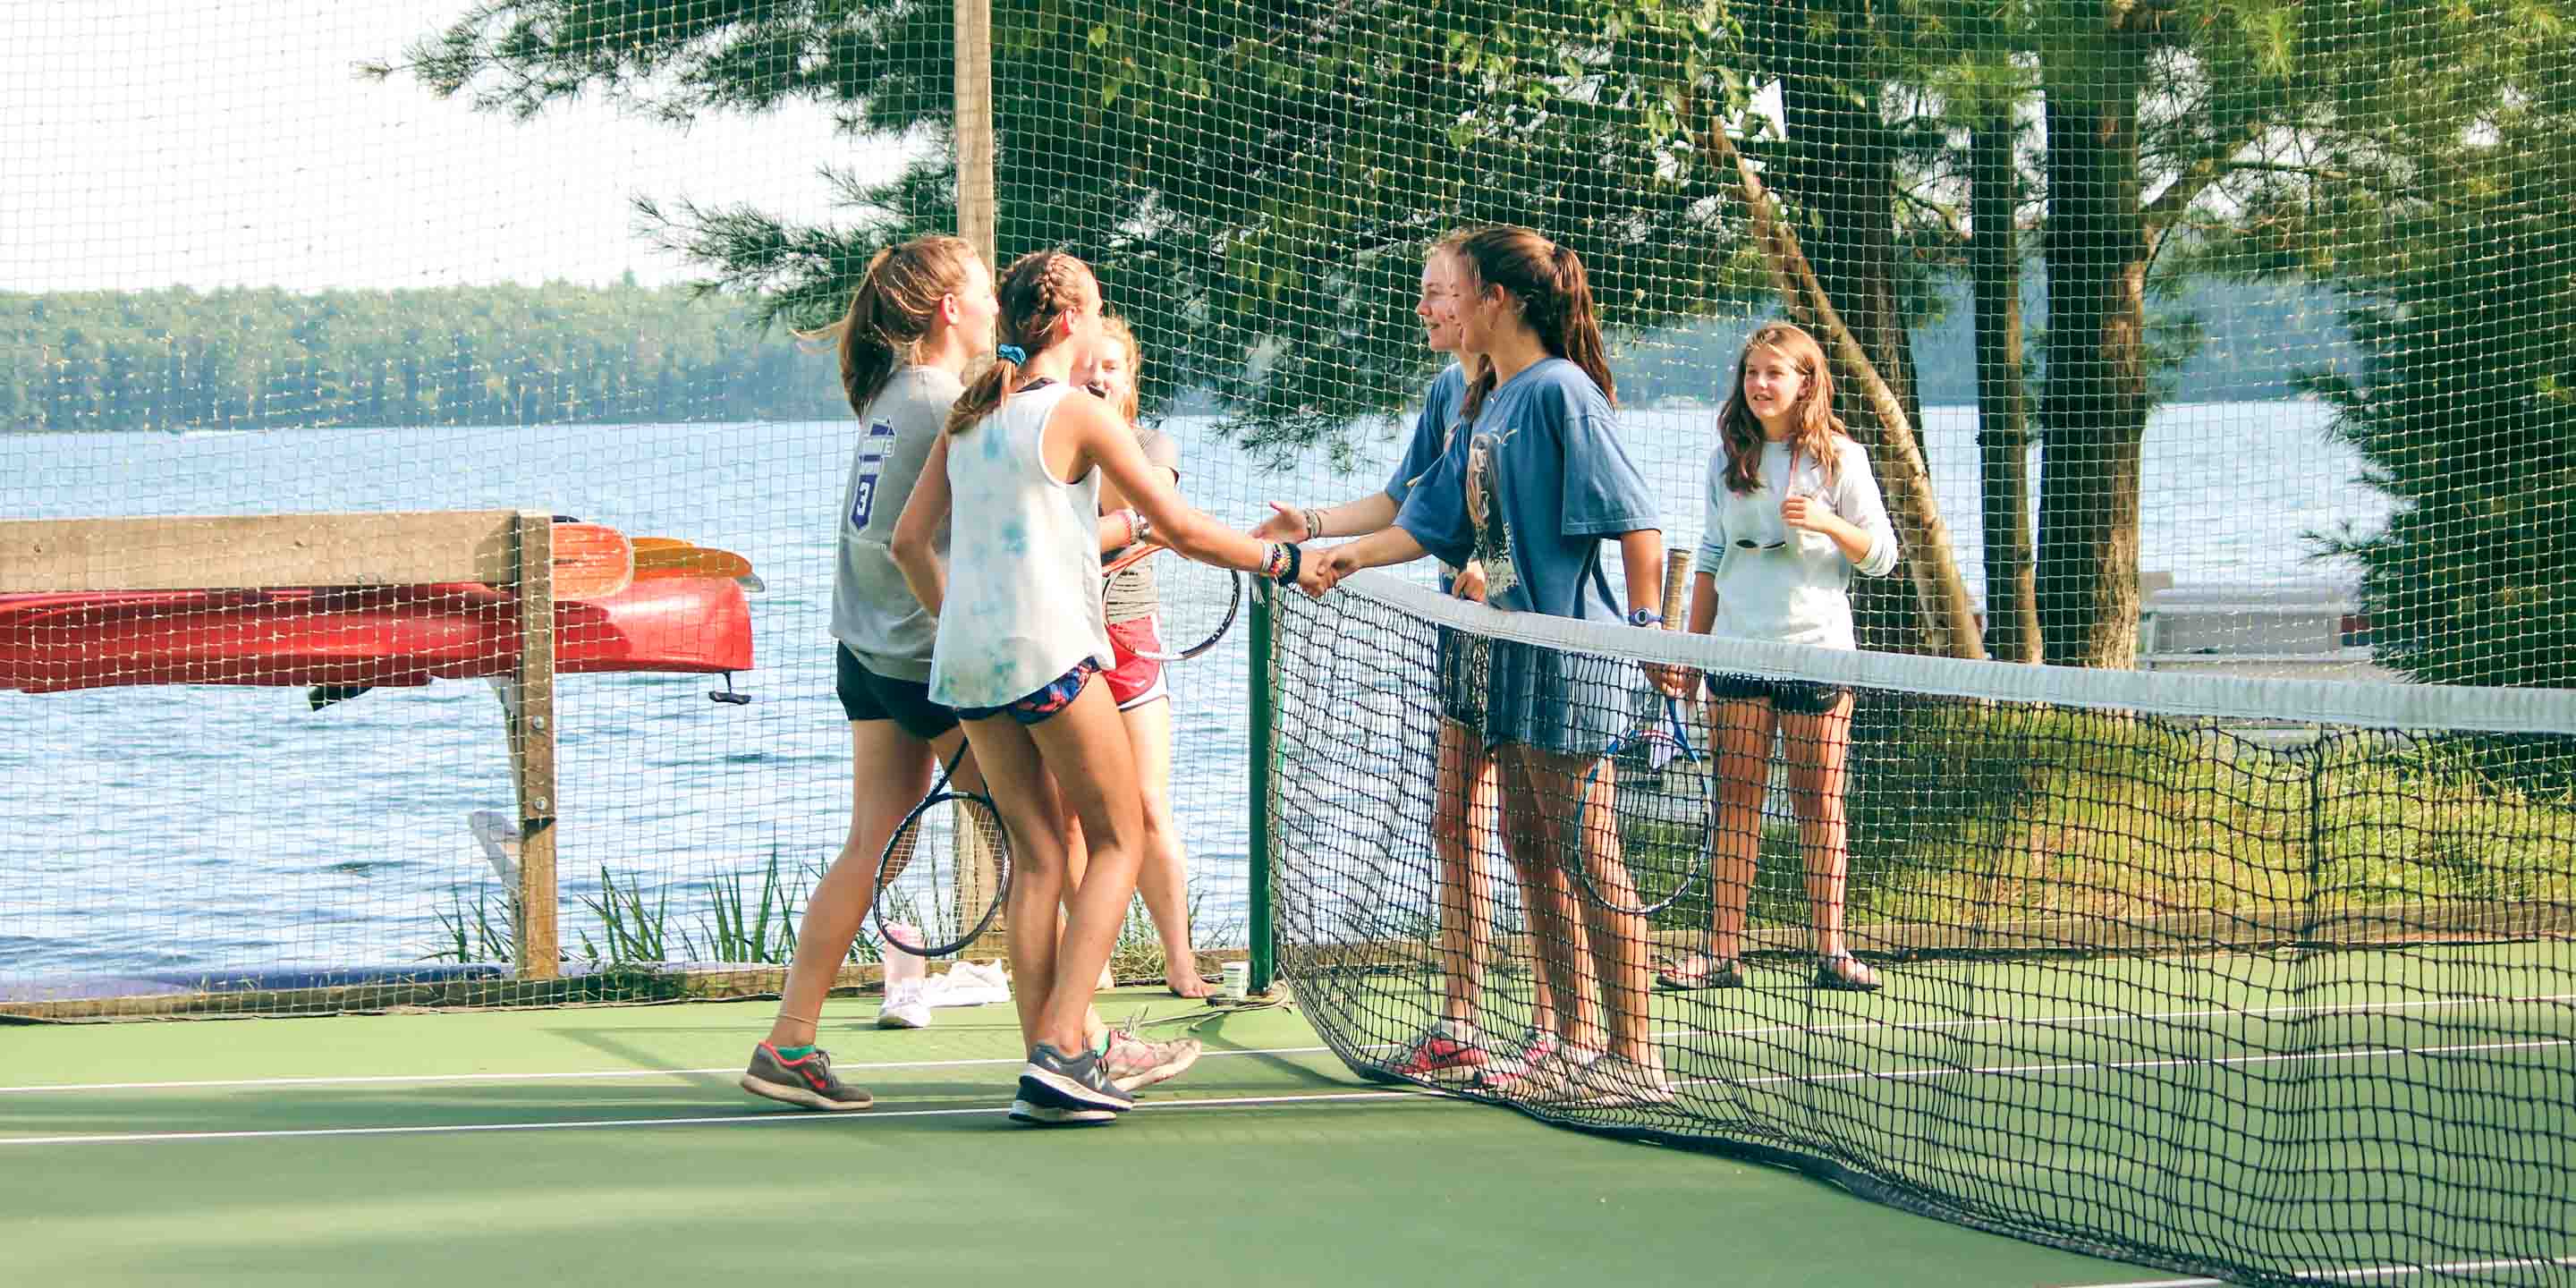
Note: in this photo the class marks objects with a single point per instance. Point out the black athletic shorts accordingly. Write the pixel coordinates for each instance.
(1798, 697)
(866, 695)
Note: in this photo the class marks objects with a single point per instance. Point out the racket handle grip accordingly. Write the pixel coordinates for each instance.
(1677, 571)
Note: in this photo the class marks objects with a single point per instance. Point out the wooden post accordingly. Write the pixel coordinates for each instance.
(976, 214)
(532, 747)
(977, 217)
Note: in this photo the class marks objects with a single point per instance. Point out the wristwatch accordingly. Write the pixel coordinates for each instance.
(1645, 617)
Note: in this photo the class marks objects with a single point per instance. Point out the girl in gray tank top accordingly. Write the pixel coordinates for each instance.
(921, 315)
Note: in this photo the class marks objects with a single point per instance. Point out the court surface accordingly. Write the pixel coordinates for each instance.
(609, 1145)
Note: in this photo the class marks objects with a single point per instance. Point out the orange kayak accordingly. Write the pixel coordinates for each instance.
(383, 635)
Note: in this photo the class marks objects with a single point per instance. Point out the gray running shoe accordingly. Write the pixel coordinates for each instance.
(1049, 1116)
(807, 1083)
(1053, 1080)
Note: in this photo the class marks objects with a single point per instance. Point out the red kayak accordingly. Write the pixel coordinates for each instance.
(382, 635)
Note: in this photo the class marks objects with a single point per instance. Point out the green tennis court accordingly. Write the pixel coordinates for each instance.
(609, 1145)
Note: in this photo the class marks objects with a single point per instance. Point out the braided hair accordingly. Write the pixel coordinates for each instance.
(1035, 291)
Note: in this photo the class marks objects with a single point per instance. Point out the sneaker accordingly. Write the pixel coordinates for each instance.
(970, 984)
(1699, 971)
(807, 1083)
(904, 1006)
(1052, 1080)
(1506, 1067)
(1845, 973)
(1442, 1056)
(1136, 1062)
(1055, 1116)
(1554, 1079)
(1617, 1082)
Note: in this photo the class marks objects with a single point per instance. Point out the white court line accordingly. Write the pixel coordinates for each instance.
(749, 1117)
(1759, 1030)
(2116, 1066)
(2142, 1017)
(428, 1078)
(2362, 1272)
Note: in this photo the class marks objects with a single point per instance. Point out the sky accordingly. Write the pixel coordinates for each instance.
(147, 143)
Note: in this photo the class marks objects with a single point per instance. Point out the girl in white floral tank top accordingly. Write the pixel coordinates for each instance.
(1022, 463)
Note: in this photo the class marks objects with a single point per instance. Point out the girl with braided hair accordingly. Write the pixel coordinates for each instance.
(1022, 636)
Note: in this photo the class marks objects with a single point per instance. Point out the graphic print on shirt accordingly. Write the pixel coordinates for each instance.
(872, 458)
(1485, 511)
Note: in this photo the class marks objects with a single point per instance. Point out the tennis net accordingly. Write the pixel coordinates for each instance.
(2266, 980)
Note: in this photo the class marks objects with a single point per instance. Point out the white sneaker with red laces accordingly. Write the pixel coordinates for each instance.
(1508, 1067)
(1450, 1055)
(1135, 1061)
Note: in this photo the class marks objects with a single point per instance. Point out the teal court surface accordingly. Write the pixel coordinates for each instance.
(609, 1145)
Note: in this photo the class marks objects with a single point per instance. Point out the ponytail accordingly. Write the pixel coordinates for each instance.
(892, 312)
(1578, 337)
(1556, 302)
(867, 354)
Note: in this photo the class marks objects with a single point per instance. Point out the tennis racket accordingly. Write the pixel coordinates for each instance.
(1199, 602)
(928, 874)
(1660, 800)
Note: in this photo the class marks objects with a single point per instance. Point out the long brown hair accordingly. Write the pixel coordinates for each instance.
(1817, 427)
(1555, 296)
(891, 311)
(1035, 290)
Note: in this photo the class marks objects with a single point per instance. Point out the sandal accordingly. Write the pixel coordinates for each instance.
(1845, 973)
(1699, 971)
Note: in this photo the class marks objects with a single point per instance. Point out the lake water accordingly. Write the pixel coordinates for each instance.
(160, 830)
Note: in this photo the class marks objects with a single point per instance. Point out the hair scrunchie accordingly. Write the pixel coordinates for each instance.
(1012, 352)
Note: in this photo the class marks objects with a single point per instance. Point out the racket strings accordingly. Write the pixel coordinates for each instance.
(1654, 817)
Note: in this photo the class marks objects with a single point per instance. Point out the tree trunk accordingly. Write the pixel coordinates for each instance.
(2095, 404)
(1843, 185)
(2003, 422)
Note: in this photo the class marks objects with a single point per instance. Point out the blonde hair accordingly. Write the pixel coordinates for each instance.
(1114, 328)
(891, 312)
(1817, 426)
(1035, 290)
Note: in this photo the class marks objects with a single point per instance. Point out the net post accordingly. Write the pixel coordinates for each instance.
(1258, 761)
(532, 746)
(976, 215)
(977, 875)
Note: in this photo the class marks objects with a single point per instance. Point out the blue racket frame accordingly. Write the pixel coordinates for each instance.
(1664, 740)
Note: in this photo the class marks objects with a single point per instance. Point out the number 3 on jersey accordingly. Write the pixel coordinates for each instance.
(863, 489)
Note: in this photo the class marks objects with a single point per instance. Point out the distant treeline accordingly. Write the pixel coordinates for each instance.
(486, 355)
(2213, 341)
(474, 355)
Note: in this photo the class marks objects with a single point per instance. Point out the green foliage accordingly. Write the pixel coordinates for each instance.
(1980, 819)
(1255, 183)
(487, 355)
(2466, 415)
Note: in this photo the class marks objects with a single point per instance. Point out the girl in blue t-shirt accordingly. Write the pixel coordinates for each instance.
(1454, 1050)
(1533, 490)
